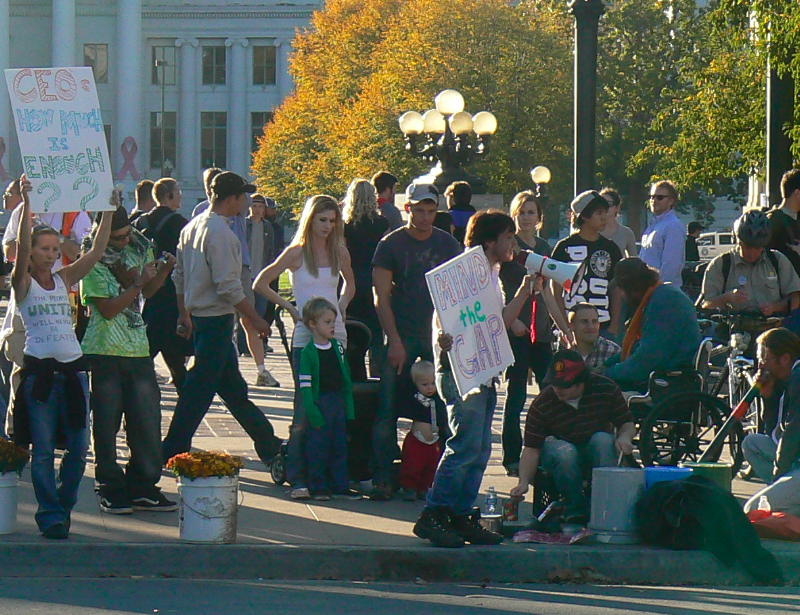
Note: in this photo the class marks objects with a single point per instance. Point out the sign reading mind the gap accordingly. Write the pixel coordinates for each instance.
(468, 306)
(61, 138)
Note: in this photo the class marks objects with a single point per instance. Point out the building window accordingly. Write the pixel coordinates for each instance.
(213, 135)
(96, 56)
(257, 121)
(170, 138)
(214, 65)
(264, 65)
(168, 56)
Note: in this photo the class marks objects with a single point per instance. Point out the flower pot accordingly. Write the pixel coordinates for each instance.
(8, 502)
(208, 508)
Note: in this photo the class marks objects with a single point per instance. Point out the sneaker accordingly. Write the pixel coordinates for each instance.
(362, 486)
(512, 470)
(300, 493)
(381, 492)
(434, 525)
(115, 506)
(265, 379)
(268, 348)
(57, 531)
(470, 529)
(348, 494)
(321, 496)
(157, 502)
(407, 495)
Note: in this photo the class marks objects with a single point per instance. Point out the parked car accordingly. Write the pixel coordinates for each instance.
(711, 245)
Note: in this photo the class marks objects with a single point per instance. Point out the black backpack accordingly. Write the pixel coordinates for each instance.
(727, 260)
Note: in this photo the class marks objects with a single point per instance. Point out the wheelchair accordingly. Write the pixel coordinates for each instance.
(366, 393)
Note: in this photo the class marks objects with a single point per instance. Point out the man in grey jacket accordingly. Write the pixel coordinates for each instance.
(209, 289)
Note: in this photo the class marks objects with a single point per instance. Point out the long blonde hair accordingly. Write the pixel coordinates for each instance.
(361, 201)
(318, 204)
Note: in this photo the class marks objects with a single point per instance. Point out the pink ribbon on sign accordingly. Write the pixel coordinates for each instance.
(3, 173)
(129, 149)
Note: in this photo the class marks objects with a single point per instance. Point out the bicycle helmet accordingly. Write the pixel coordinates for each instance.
(752, 228)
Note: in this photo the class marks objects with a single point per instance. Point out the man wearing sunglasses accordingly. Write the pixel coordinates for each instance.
(664, 240)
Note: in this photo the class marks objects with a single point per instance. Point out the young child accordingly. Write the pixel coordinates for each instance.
(422, 446)
(327, 394)
(52, 403)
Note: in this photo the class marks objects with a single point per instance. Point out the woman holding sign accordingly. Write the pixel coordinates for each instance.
(54, 399)
(448, 519)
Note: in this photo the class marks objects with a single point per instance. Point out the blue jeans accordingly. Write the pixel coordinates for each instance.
(569, 464)
(55, 497)
(326, 447)
(295, 455)
(467, 451)
(216, 370)
(384, 432)
(527, 355)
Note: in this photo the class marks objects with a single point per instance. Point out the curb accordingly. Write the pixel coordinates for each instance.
(504, 564)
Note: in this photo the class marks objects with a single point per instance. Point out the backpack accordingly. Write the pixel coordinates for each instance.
(153, 234)
(727, 260)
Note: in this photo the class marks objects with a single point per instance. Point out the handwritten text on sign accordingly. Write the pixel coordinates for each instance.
(61, 138)
(466, 300)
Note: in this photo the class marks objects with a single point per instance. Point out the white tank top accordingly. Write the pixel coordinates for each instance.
(47, 315)
(305, 287)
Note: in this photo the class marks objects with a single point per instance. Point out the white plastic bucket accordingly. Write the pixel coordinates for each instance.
(615, 492)
(8, 502)
(208, 509)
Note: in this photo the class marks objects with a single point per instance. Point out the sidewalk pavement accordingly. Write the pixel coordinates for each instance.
(340, 539)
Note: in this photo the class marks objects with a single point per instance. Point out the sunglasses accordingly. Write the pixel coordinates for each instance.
(658, 197)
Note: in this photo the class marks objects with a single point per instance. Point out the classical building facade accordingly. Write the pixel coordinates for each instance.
(183, 85)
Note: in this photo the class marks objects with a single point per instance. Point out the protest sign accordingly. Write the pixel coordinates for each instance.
(61, 138)
(469, 308)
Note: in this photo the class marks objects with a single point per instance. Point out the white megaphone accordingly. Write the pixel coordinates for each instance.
(568, 275)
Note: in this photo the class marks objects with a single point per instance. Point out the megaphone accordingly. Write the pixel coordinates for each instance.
(568, 275)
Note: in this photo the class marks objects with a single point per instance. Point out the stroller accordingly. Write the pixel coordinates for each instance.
(365, 391)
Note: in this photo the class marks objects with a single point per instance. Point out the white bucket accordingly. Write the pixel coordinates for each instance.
(615, 492)
(208, 509)
(8, 502)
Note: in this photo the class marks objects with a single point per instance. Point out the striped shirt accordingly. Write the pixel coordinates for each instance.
(601, 408)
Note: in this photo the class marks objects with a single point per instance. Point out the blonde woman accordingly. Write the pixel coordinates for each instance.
(316, 260)
(364, 227)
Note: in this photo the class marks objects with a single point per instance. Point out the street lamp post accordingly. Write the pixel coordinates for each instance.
(587, 17)
(445, 132)
(541, 177)
(162, 64)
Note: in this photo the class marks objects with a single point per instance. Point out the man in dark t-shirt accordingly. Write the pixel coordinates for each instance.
(162, 225)
(784, 219)
(405, 309)
(601, 255)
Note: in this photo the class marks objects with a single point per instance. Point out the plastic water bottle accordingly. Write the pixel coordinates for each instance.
(490, 503)
(763, 503)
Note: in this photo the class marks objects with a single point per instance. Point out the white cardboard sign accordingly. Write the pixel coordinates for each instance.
(61, 138)
(466, 302)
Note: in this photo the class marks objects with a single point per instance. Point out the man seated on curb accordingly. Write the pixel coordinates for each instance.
(569, 430)
(663, 333)
(584, 322)
(775, 455)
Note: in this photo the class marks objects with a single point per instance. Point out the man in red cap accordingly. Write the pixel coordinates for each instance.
(579, 422)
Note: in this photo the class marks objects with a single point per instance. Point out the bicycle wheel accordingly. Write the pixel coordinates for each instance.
(680, 428)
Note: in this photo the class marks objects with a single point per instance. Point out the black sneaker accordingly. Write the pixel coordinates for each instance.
(115, 505)
(434, 525)
(57, 531)
(157, 502)
(470, 529)
(381, 492)
(348, 494)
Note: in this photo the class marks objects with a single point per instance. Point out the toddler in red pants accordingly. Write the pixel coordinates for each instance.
(423, 444)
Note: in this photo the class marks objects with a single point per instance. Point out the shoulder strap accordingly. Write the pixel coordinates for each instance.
(773, 258)
(726, 270)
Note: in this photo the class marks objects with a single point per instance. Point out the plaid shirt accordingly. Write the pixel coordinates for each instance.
(601, 407)
(603, 350)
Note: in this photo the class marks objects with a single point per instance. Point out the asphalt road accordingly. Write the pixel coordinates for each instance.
(208, 597)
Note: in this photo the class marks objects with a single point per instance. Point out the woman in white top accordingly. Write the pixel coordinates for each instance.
(316, 259)
(53, 403)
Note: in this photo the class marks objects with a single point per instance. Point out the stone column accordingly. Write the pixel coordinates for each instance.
(283, 78)
(5, 107)
(238, 133)
(129, 153)
(63, 33)
(188, 120)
